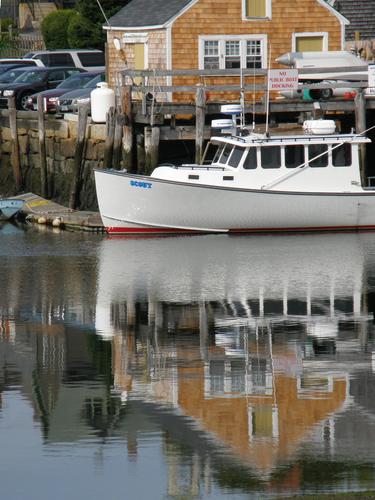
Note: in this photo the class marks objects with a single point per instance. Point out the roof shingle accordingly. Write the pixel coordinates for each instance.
(138, 13)
(361, 15)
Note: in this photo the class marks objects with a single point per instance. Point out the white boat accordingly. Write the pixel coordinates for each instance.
(9, 207)
(247, 183)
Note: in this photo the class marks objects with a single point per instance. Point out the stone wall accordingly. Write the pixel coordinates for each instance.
(61, 140)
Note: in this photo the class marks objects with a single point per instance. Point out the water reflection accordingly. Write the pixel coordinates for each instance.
(247, 362)
(254, 339)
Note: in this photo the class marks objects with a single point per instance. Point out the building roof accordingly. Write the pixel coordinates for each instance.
(361, 15)
(139, 13)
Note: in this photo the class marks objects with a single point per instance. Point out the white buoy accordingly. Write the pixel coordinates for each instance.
(56, 222)
(42, 220)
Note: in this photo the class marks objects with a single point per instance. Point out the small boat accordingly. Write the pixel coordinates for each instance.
(9, 207)
(247, 182)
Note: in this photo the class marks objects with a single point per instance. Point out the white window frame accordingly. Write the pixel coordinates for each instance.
(267, 16)
(224, 38)
(307, 34)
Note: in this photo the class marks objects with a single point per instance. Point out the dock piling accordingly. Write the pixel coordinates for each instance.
(42, 147)
(16, 163)
(200, 105)
(360, 125)
(83, 112)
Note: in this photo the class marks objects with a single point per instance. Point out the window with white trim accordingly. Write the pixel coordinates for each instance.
(309, 41)
(256, 9)
(232, 52)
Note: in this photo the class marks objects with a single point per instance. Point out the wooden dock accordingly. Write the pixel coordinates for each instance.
(41, 211)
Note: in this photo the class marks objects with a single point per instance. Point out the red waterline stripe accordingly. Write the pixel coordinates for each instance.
(139, 230)
(123, 230)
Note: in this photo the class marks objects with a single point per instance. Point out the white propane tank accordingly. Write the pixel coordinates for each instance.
(102, 99)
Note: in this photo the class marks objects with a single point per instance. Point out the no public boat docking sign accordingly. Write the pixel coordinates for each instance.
(371, 75)
(283, 79)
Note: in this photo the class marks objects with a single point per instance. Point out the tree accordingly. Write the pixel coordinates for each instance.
(55, 29)
(85, 34)
(91, 10)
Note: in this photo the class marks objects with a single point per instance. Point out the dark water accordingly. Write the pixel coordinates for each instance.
(185, 367)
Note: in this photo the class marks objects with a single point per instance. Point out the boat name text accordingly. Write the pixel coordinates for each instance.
(145, 185)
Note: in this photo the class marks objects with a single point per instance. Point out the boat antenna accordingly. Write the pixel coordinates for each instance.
(268, 90)
(242, 99)
(105, 17)
(254, 95)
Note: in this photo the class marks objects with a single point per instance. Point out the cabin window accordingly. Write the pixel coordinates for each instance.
(225, 154)
(320, 151)
(257, 9)
(235, 157)
(251, 159)
(294, 156)
(342, 155)
(271, 157)
(210, 153)
(224, 52)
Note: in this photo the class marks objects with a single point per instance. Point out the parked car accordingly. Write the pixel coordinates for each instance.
(6, 67)
(87, 59)
(51, 96)
(10, 75)
(69, 102)
(31, 81)
(20, 61)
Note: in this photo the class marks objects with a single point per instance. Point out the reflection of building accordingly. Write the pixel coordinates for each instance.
(236, 336)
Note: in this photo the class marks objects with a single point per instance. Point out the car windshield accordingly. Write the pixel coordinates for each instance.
(10, 75)
(30, 77)
(92, 83)
(76, 81)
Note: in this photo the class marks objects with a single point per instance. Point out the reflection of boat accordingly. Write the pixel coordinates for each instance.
(247, 183)
(9, 207)
(268, 275)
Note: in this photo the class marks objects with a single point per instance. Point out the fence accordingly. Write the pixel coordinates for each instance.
(19, 45)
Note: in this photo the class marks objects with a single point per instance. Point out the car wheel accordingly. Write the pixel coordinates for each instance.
(22, 102)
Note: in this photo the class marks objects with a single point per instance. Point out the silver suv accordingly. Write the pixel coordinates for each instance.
(88, 59)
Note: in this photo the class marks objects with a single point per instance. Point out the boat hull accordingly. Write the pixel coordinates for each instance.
(9, 208)
(131, 204)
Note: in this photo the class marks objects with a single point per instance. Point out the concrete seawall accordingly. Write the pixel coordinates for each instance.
(61, 141)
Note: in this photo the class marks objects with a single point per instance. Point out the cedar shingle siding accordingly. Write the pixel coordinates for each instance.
(361, 15)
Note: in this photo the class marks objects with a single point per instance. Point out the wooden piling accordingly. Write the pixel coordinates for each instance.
(360, 126)
(140, 140)
(83, 112)
(117, 140)
(200, 112)
(152, 138)
(42, 147)
(126, 106)
(16, 163)
(109, 139)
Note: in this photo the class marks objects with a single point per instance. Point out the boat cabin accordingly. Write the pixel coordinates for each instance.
(316, 163)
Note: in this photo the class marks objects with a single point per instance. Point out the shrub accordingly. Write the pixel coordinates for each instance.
(55, 29)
